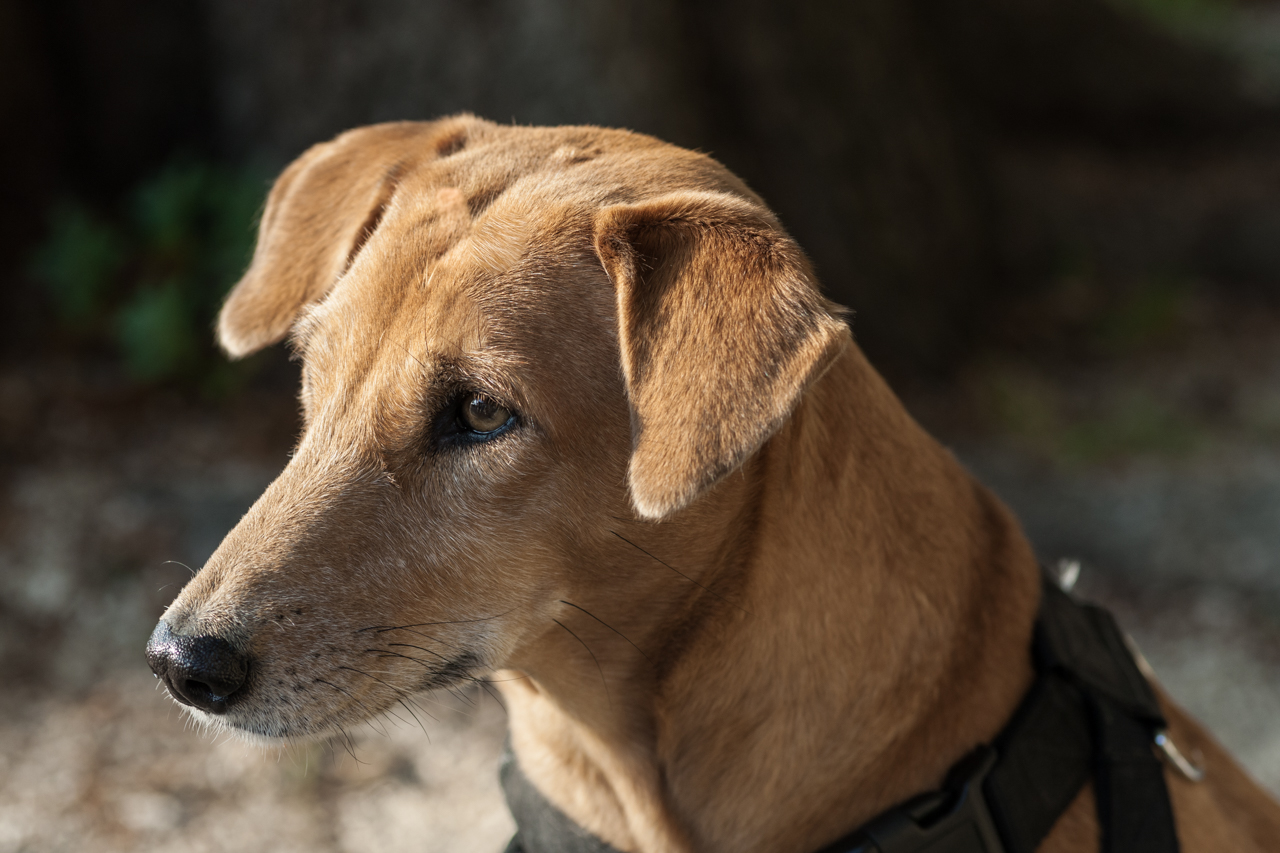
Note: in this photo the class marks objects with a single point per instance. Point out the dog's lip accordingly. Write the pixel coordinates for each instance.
(278, 726)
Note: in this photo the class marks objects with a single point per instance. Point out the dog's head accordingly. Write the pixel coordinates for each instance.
(521, 348)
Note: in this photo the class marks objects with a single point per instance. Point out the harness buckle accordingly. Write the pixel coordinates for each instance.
(953, 820)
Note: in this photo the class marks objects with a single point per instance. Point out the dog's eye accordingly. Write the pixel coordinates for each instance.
(481, 414)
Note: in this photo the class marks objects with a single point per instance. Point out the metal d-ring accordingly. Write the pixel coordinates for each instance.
(1068, 574)
(1174, 756)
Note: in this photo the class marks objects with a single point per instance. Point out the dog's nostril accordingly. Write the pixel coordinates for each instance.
(203, 672)
(199, 692)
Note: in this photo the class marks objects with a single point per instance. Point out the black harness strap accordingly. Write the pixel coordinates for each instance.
(1089, 714)
(1046, 758)
(1083, 642)
(1133, 800)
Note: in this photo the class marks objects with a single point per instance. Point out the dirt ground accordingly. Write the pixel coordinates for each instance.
(107, 492)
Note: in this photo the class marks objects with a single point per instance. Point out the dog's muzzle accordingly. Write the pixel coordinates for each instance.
(203, 672)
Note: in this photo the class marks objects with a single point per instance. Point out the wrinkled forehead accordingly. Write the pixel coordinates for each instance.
(471, 247)
(454, 271)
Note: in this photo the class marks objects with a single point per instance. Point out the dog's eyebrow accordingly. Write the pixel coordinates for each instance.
(482, 372)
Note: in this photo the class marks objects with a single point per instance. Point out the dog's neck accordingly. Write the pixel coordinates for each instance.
(863, 623)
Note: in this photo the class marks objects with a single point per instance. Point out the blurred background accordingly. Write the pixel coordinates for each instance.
(1058, 223)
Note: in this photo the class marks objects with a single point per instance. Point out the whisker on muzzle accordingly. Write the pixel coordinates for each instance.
(382, 628)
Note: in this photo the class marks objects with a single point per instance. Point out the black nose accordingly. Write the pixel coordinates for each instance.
(203, 672)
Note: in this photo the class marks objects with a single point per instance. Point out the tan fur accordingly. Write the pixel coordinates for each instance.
(739, 601)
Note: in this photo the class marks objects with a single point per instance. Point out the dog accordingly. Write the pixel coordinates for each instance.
(576, 413)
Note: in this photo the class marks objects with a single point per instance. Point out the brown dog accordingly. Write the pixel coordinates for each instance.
(576, 409)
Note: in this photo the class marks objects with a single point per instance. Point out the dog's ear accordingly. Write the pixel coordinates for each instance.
(320, 212)
(721, 327)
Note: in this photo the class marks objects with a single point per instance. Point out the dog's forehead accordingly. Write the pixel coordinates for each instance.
(506, 294)
(487, 255)
(435, 269)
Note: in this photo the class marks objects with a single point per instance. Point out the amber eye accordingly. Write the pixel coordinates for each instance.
(482, 414)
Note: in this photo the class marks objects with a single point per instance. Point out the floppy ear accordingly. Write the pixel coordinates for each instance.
(319, 214)
(721, 327)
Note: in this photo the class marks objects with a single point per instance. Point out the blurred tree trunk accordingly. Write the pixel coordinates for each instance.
(831, 110)
(836, 112)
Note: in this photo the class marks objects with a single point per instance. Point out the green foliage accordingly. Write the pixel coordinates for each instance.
(78, 262)
(1152, 313)
(1127, 422)
(1180, 15)
(148, 280)
(154, 329)
(1137, 424)
(1106, 326)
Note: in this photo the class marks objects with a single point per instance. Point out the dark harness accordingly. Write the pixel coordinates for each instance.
(1090, 714)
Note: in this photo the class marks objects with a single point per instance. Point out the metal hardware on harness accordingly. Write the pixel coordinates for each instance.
(1068, 574)
(1170, 751)
(954, 820)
